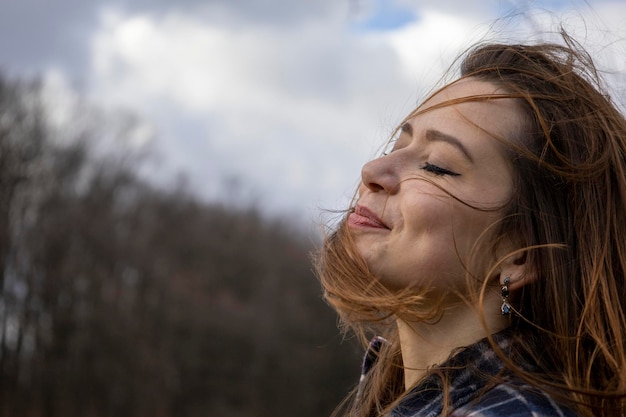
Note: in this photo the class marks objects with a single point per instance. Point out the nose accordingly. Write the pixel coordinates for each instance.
(380, 175)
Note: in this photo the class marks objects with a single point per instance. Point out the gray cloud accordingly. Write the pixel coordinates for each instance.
(36, 34)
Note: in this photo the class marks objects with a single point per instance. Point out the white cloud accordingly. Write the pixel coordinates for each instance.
(295, 111)
(428, 47)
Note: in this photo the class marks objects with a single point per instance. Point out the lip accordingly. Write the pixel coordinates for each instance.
(364, 217)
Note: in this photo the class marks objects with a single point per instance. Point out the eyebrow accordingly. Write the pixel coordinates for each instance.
(436, 135)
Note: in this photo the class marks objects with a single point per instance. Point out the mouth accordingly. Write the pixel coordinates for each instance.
(364, 217)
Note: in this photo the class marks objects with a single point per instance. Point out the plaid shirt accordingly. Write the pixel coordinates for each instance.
(472, 390)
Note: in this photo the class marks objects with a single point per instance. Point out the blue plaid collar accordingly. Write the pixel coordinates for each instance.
(468, 372)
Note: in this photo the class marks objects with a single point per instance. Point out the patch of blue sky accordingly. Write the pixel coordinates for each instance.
(558, 4)
(384, 15)
(554, 4)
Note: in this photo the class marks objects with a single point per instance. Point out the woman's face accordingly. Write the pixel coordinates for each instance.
(410, 231)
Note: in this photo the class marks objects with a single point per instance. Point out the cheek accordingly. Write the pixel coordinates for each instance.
(429, 211)
(437, 225)
(473, 228)
(427, 235)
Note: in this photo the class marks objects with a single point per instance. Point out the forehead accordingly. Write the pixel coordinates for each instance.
(478, 104)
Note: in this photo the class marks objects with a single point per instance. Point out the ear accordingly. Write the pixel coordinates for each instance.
(517, 270)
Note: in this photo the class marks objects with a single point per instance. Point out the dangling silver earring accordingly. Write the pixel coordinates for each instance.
(506, 307)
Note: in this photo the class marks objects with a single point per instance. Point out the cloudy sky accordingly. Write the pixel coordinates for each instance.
(275, 101)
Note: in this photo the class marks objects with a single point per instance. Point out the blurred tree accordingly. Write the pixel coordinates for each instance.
(120, 299)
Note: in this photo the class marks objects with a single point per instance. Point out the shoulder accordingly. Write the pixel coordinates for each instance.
(513, 401)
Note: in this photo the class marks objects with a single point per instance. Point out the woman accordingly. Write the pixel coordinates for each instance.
(488, 247)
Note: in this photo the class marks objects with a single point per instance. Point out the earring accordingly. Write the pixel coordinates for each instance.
(506, 307)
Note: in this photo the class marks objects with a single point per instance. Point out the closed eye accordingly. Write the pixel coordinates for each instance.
(434, 169)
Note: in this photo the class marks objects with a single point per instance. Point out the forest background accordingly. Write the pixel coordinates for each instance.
(121, 299)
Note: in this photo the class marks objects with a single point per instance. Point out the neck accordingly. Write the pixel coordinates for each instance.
(424, 345)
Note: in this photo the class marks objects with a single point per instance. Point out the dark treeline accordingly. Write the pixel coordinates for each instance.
(120, 299)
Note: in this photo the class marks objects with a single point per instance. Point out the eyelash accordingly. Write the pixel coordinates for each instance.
(433, 169)
(436, 170)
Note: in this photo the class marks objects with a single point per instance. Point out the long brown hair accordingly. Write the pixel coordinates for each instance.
(568, 210)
